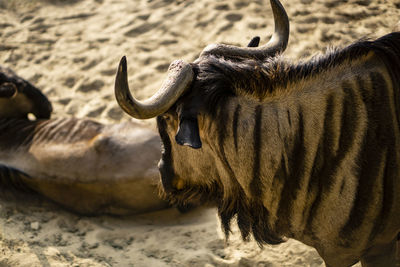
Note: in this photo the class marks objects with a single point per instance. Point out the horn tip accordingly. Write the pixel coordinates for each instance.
(255, 41)
(122, 65)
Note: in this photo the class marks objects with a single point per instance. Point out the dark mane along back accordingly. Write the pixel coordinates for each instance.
(221, 78)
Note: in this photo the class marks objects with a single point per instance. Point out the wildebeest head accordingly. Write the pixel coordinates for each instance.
(184, 106)
(18, 97)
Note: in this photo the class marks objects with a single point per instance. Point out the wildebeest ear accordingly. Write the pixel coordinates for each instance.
(7, 90)
(188, 133)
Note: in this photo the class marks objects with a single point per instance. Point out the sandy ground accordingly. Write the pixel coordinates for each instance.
(70, 49)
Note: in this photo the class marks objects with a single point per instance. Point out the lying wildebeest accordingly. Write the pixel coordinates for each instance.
(309, 151)
(79, 163)
(19, 97)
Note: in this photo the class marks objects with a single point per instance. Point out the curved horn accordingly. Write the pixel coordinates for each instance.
(277, 43)
(179, 77)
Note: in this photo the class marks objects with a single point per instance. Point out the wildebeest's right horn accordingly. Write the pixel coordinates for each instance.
(179, 77)
(277, 43)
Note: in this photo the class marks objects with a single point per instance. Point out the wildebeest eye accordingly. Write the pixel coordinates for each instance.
(167, 117)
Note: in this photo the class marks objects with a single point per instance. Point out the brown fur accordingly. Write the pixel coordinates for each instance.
(82, 164)
(307, 151)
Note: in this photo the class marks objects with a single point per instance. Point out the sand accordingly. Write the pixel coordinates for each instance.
(71, 49)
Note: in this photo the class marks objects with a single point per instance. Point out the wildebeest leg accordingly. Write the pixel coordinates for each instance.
(381, 255)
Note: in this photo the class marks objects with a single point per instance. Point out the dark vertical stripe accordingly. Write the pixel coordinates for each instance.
(256, 185)
(296, 158)
(349, 120)
(221, 122)
(225, 208)
(251, 214)
(379, 83)
(289, 119)
(323, 160)
(374, 147)
(344, 139)
(387, 193)
(366, 92)
(235, 125)
(221, 128)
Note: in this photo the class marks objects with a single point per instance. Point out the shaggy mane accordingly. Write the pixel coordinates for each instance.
(218, 77)
(250, 214)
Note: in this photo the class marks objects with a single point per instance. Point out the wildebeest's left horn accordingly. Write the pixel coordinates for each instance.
(179, 77)
(277, 43)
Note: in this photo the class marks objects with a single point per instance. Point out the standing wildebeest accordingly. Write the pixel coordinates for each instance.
(81, 164)
(309, 151)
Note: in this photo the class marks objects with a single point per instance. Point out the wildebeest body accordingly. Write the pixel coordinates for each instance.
(318, 152)
(307, 151)
(81, 164)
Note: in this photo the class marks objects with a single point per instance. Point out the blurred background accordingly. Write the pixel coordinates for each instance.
(71, 49)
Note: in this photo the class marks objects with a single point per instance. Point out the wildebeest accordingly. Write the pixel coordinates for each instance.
(19, 97)
(81, 164)
(307, 150)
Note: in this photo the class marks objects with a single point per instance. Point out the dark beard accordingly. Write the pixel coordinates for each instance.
(194, 195)
(251, 215)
